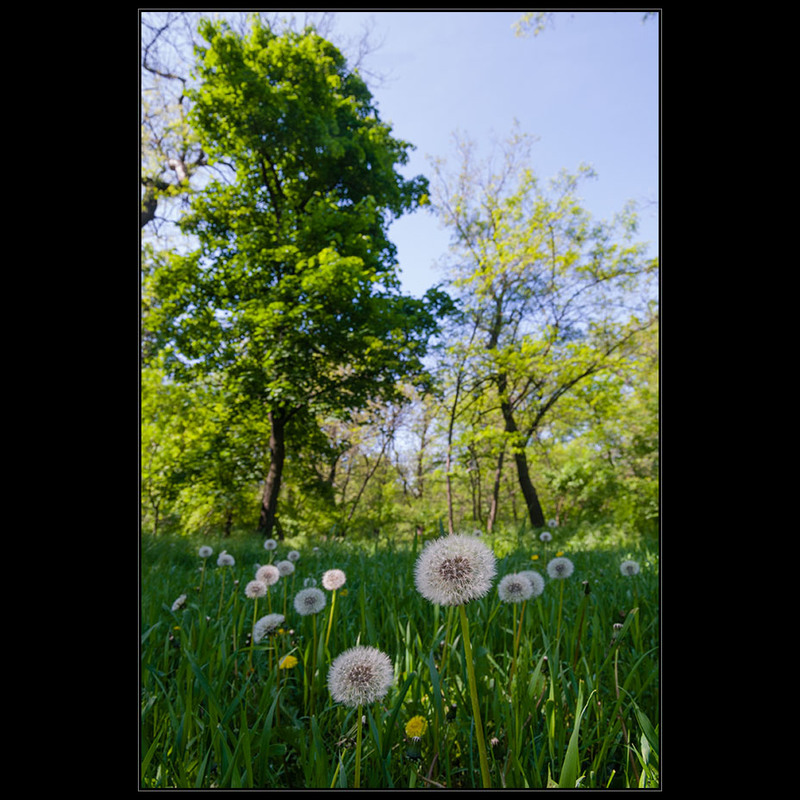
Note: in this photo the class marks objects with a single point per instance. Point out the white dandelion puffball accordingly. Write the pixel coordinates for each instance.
(309, 581)
(309, 601)
(270, 544)
(293, 555)
(537, 581)
(546, 536)
(333, 579)
(560, 567)
(514, 588)
(268, 574)
(359, 676)
(205, 551)
(629, 568)
(225, 560)
(455, 569)
(179, 603)
(267, 625)
(285, 568)
(255, 589)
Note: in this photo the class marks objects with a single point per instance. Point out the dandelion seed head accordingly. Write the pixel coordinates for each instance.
(268, 574)
(266, 625)
(309, 601)
(537, 581)
(179, 603)
(546, 536)
(629, 568)
(255, 589)
(225, 560)
(285, 568)
(205, 551)
(514, 588)
(359, 676)
(270, 544)
(309, 581)
(454, 569)
(293, 555)
(333, 579)
(560, 567)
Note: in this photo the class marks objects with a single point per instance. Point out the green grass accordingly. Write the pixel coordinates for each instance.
(582, 708)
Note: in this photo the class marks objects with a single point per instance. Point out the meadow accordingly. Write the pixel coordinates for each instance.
(560, 689)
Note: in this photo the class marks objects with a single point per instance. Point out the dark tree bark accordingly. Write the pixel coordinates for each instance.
(529, 494)
(272, 486)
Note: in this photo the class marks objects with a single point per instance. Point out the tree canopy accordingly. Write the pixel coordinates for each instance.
(282, 359)
(290, 295)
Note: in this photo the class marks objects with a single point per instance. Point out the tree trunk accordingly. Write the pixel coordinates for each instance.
(272, 486)
(494, 508)
(535, 513)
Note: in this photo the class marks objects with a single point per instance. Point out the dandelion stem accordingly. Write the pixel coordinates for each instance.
(516, 646)
(313, 662)
(252, 635)
(221, 593)
(473, 690)
(560, 602)
(330, 618)
(357, 782)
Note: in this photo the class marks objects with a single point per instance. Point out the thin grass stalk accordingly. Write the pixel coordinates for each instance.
(584, 601)
(621, 720)
(476, 709)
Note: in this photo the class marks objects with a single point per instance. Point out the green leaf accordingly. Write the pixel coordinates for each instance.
(569, 769)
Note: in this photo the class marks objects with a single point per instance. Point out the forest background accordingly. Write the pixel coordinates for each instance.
(294, 386)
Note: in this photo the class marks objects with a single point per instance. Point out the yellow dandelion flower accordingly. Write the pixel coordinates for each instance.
(288, 662)
(343, 592)
(559, 554)
(416, 727)
(534, 558)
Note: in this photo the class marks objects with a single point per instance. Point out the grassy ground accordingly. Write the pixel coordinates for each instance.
(579, 708)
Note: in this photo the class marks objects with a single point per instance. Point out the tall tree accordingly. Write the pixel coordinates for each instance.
(292, 291)
(172, 162)
(556, 296)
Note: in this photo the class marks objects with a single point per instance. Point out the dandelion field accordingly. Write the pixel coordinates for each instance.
(560, 689)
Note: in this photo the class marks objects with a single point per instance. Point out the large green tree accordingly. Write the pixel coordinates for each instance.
(554, 297)
(290, 292)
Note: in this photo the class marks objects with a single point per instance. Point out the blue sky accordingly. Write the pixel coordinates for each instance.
(587, 88)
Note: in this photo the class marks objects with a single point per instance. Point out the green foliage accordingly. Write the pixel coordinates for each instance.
(290, 298)
(293, 274)
(281, 314)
